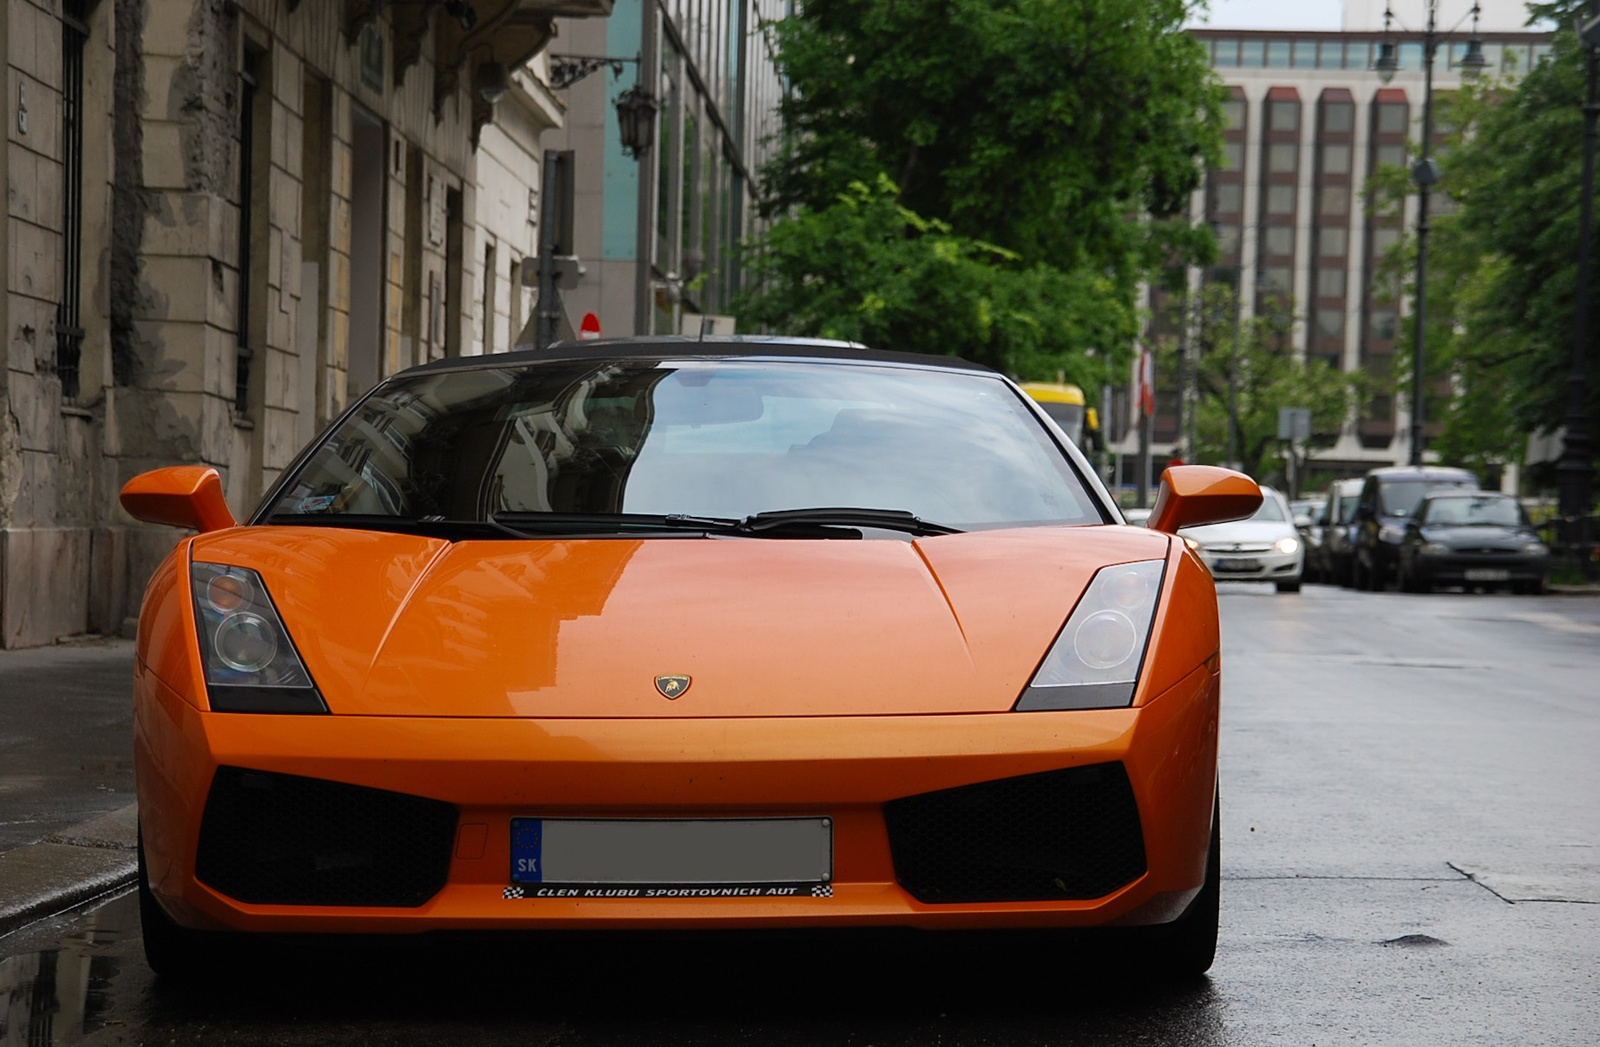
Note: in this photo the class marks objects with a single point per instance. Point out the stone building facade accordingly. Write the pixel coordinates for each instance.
(225, 219)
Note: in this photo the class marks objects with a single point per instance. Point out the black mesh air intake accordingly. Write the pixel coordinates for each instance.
(1070, 834)
(280, 839)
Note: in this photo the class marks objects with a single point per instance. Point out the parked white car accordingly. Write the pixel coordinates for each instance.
(1264, 548)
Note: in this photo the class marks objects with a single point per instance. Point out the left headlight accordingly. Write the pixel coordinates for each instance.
(250, 662)
(1286, 545)
(1095, 660)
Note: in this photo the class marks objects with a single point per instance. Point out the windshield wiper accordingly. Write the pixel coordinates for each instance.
(785, 523)
(842, 516)
(523, 524)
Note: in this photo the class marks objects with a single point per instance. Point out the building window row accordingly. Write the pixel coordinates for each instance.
(1227, 52)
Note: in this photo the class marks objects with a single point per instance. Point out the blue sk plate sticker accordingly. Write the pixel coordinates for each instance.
(671, 858)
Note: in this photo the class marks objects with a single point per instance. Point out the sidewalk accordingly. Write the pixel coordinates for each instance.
(67, 817)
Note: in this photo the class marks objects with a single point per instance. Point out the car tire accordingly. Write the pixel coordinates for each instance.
(1186, 947)
(170, 950)
(1289, 587)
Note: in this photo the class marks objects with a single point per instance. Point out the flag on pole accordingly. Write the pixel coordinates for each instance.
(1144, 383)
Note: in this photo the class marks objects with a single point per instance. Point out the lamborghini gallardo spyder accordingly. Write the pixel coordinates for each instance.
(711, 634)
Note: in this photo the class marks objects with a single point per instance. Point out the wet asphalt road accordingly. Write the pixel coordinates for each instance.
(66, 751)
(1411, 825)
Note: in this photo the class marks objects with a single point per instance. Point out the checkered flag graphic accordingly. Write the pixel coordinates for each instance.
(513, 892)
(822, 891)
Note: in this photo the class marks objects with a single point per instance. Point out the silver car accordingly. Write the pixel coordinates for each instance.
(1264, 548)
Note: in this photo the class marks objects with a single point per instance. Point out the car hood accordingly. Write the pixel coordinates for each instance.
(1243, 532)
(398, 625)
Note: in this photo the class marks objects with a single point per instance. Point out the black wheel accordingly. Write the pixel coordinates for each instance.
(1289, 587)
(1186, 947)
(170, 950)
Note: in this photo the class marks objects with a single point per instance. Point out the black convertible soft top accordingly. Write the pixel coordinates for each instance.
(675, 347)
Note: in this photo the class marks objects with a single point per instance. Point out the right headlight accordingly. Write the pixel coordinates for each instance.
(1095, 660)
(250, 662)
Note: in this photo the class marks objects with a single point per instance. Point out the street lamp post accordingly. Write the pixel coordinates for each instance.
(1425, 174)
(1575, 472)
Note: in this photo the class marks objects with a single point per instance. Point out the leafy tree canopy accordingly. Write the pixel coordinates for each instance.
(1050, 144)
(869, 269)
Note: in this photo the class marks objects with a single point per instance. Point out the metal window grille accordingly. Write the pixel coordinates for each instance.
(247, 120)
(69, 329)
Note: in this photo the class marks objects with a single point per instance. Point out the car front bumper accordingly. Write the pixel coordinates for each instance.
(1481, 568)
(1268, 566)
(845, 769)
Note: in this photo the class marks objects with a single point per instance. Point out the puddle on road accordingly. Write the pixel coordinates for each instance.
(60, 994)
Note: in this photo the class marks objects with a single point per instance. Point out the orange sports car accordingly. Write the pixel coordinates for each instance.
(665, 633)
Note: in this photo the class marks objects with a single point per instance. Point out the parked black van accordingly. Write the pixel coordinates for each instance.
(1389, 497)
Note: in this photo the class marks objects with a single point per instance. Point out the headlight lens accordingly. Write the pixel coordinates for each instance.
(1392, 535)
(1286, 545)
(250, 662)
(1095, 660)
(1536, 549)
(1435, 549)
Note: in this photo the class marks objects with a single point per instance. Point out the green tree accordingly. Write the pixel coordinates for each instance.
(870, 270)
(1255, 360)
(1050, 142)
(1502, 263)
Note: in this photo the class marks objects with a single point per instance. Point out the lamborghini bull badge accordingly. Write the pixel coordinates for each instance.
(672, 686)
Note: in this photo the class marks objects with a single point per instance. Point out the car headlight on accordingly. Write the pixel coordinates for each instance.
(1095, 660)
(250, 663)
(1392, 535)
(1286, 545)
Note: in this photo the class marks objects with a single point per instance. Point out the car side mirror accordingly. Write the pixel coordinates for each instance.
(1191, 495)
(180, 495)
(1303, 522)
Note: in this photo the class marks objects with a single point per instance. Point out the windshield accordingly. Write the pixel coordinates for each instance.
(1400, 497)
(1502, 512)
(1270, 510)
(725, 439)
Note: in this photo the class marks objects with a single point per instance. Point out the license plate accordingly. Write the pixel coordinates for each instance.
(1238, 565)
(671, 857)
(1487, 574)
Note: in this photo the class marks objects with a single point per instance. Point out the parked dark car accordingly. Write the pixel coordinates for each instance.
(1472, 539)
(1389, 497)
(1305, 512)
(1333, 526)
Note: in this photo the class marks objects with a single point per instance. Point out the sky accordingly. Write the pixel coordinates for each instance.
(1275, 14)
(1330, 14)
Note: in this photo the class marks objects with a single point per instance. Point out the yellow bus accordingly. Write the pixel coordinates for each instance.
(1065, 404)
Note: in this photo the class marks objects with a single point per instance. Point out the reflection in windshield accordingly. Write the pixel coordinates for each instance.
(1488, 511)
(703, 438)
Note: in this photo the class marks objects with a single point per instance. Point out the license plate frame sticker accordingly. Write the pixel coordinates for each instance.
(1487, 574)
(672, 857)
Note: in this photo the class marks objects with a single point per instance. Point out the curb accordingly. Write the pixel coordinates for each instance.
(68, 868)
